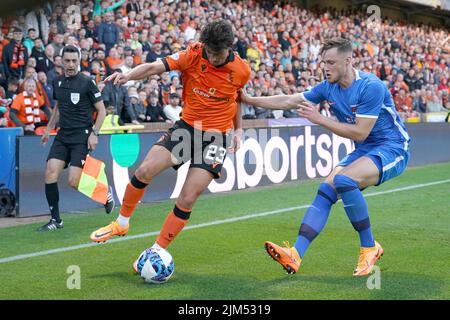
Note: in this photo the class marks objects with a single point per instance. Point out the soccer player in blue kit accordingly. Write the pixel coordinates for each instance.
(366, 114)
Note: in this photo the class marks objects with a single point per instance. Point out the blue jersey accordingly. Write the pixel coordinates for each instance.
(366, 97)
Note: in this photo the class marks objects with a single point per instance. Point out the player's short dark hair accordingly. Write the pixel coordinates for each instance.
(342, 45)
(217, 35)
(70, 49)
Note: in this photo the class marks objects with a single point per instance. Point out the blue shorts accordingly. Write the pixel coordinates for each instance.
(391, 161)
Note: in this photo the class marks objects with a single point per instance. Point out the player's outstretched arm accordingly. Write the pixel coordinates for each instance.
(137, 73)
(278, 102)
(357, 132)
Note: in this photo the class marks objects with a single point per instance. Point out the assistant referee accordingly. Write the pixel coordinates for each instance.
(77, 97)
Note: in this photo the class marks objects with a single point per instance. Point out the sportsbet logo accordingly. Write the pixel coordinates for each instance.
(264, 154)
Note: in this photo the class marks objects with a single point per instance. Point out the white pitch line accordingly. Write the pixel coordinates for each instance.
(201, 225)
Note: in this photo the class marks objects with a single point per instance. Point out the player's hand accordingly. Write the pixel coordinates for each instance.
(44, 138)
(307, 111)
(236, 141)
(117, 78)
(245, 98)
(92, 141)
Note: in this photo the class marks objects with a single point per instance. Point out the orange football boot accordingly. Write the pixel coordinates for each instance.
(367, 259)
(287, 256)
(112, 229)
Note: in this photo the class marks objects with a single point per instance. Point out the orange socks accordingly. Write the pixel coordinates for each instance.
(174, 223)
(133, 194)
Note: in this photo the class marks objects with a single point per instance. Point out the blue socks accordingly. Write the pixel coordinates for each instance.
(356, 208)
(315, 217)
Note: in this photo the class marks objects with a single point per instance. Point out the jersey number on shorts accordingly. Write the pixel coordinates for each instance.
(213, 155)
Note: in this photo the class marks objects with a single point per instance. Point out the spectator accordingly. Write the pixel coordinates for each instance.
(43, 63)
(108, 32)
(58, 43)
(173, 109)
(85, 63)
(154, 111)
(254, 54)
(13, 87)
(15, 56)
(25, 108)
(40, 91)
(114, 60)
(248, 112)
(419, 103)
(403, 104)
(111, 121)
(101, 57)
(48, 88)
(241, 45)
(156, 52)
(37, 20)
(136, 104)
(4, 104)
(117, 97)
(411, 80)
(29, 41)
(435, 105)
(57, 69)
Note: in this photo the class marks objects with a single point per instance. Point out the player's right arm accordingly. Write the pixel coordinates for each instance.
(137, 73)
(51, 123)
(278, 102)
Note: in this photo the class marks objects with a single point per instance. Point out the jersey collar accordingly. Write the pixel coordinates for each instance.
(230, 57)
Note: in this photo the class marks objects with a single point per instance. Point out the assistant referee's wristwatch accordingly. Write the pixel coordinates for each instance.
(95, 132)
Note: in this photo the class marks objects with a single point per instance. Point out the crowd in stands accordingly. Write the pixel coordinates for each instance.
(280, 41)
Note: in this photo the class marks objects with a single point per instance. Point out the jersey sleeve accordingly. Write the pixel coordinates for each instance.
(317, 94)
(181, 60)
(93, 92)
(372, 97)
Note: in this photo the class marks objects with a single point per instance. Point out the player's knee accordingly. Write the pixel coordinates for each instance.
(188, 199)
(344, 183)
(144, 173)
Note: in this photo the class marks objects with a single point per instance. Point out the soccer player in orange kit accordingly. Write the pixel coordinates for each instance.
(212, 76)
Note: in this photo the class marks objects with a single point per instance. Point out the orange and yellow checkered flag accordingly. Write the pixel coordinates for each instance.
(93, 181)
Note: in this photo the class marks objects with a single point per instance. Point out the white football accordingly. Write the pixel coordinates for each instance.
(155, 265)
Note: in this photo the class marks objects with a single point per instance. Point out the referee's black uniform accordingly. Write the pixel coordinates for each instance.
(76, 98)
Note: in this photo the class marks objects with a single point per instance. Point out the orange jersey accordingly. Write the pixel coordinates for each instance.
(209, 93)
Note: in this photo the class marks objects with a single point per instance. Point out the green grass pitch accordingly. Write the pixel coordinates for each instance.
(228, 261)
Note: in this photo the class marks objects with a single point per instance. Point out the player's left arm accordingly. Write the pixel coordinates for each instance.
(366, 116)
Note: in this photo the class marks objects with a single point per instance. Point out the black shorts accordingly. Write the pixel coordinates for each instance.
(71, 147)
(206, 150)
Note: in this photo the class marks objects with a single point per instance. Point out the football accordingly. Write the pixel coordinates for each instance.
(155, 265)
